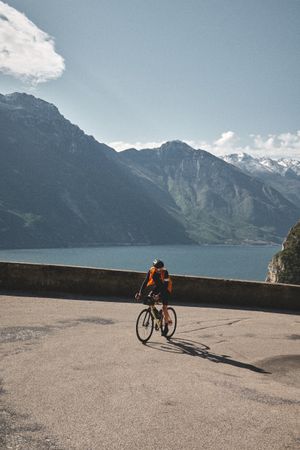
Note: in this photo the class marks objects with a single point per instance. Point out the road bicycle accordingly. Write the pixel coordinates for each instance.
(153, 318)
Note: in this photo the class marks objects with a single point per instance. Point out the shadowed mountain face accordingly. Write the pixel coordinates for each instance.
(215, 201)
(59, 187)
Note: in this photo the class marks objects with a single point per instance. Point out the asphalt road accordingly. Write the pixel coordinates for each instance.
(74, 376)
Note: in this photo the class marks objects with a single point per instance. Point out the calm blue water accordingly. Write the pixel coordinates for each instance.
(235, 262)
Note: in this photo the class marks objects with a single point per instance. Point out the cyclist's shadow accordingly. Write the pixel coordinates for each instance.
(193, 348)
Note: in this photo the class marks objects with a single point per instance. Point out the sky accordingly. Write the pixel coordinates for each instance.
(221, 75)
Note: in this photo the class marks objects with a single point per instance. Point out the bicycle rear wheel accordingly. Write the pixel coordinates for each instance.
(171, 326)
(144, 325)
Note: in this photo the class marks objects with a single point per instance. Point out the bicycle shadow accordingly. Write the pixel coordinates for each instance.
(197, 349)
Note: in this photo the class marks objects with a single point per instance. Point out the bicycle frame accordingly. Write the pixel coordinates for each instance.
(157, 321)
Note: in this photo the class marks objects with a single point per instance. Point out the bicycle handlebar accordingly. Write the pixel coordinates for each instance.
(155, 298)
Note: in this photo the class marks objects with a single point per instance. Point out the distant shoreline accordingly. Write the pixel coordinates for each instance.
(257, 244)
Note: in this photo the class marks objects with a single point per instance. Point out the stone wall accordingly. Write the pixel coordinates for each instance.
(124, 284)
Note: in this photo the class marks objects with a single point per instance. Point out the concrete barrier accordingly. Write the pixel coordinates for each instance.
(121, 283)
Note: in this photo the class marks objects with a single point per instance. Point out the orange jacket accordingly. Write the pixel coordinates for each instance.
(162, 274)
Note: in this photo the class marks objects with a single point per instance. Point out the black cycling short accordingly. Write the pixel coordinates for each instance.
(165, 297)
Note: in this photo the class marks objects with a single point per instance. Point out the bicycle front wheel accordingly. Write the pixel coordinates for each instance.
(171, 326)
(144, 325)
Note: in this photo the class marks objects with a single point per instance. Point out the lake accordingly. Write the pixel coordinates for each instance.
(234, 262)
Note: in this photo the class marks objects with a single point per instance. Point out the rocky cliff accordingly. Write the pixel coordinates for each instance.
(285, 265)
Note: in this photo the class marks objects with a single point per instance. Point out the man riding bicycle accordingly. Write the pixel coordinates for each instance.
(159, 281)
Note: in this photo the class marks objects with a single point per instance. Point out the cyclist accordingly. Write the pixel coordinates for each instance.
(159, 281)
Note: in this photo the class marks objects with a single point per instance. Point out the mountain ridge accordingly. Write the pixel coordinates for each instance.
(207, 177)
(60, 187)
(283, 174)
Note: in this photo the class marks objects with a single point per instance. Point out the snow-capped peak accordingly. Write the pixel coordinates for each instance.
(253, 165)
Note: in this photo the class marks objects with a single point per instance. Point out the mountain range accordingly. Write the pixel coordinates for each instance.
(282, 174)
(60, 187)
(215, 201)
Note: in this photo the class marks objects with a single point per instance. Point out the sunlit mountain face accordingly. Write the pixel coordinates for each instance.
(282, 174)
(216, 201)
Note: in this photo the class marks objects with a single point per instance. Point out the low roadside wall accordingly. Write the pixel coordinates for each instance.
(124, 284)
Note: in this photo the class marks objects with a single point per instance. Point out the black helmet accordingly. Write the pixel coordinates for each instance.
(158, 264)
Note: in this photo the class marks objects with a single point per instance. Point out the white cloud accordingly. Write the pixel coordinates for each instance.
(289, 139)
(26, 52)
(121, 145)
(227, 139)
(284, 145)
